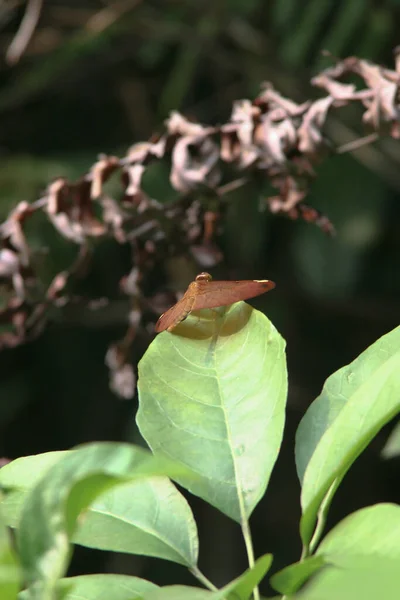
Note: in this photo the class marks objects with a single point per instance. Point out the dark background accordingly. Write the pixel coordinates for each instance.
(99, 76)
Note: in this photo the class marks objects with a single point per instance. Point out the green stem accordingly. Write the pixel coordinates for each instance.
(250, 551)
(322, 515)
(203, 579)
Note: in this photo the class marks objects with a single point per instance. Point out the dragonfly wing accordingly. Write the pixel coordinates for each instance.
(173, 316)
(211, 294)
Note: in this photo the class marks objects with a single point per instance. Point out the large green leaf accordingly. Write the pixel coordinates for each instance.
(366, 578)
(212, 396)
(330, 441)
(101, 587)
(178, 592)
(338, 389)
(148, 517)
(362, 553)
(10, 576)
(372, 531)
(52, 507)
(23, 473)
(18, 477)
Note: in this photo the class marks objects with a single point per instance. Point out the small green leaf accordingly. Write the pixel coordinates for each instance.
(290, 579)
(329, 441)
(239, 589)
(242, 587)
(212, 396)
(51, 509)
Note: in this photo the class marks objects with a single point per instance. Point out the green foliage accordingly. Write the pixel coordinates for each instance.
(289, 580)
(216, 384)
(224, 419)
(354, 405)
(117, 587)
(147, 516)
(51, 509)
(64, 104)
(10, 575)
(368, 578)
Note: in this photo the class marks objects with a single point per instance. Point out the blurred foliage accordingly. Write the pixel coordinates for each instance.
(98, 76)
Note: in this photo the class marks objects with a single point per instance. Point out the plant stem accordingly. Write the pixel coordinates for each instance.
(203, 579)
(322, 515)
(250, 551)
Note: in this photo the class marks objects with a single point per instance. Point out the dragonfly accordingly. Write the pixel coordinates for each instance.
(205, 293)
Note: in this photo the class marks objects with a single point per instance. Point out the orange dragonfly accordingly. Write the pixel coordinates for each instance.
(205, 293)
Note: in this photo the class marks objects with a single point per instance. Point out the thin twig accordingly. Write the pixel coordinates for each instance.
(358, 143)
(108, 15)
(25, 31)
(232, 186)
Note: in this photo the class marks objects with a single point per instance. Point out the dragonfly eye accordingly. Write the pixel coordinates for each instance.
(204, 277)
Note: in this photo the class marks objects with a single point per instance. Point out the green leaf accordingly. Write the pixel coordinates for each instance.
(392, 447)
(178, 592)
(148, 517)
(290, 579)
(242, 587)
(239, 589)
(100, 587)
(23, 473)
(11, 507)
(104, 587)
(369, 538)
(51, 509)
(366, 578)
(10, 576)
(370, 387)
(372, 531)
(338, 389)
(212, 396)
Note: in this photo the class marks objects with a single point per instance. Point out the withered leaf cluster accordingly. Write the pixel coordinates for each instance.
(270, 137)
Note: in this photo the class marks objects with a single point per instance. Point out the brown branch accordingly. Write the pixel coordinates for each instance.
(25, 31)
(269, 139)
(357, 143)
(109, 14)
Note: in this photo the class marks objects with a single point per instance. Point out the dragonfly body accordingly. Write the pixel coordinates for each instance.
(205, 293)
